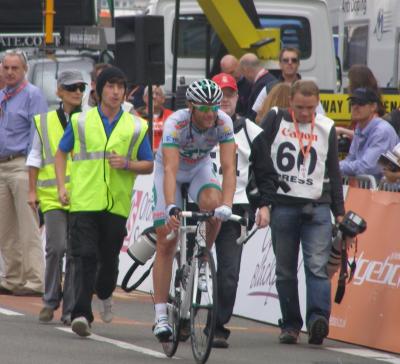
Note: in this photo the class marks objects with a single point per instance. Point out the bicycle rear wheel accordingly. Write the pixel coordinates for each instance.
(173, 309)
(203, 310)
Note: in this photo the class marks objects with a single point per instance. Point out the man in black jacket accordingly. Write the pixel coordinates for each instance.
(228, 252)
(303, 148)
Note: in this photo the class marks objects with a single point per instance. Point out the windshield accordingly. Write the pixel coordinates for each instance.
(295, 32)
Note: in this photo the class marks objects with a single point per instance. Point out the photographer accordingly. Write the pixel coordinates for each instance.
(303, 148)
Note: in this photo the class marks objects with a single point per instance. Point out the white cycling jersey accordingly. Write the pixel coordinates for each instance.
(194, 145)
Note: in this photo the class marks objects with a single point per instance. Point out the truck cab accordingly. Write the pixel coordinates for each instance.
(303, 24)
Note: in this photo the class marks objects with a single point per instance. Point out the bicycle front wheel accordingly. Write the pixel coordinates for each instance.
(203, 310)
(173, 308)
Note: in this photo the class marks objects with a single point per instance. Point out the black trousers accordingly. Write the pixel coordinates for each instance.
(229, 255)
(95, 239)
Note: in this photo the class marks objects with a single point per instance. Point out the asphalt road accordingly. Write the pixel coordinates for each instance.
(128, 339)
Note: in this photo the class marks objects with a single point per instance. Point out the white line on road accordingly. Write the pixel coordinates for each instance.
(370, 354)
(10, 313)
(121, 344)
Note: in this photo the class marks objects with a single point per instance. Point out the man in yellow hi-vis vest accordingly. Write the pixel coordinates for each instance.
(109, 148)
(43, 191)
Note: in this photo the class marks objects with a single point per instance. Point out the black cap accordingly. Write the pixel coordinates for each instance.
(364, 96)
(108, 74)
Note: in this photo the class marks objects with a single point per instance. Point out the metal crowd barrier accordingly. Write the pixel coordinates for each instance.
(365, 181)
(369, 182)
(387, 186)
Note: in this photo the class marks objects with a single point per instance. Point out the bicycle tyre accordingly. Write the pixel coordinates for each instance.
(203, 311)
(173, 309)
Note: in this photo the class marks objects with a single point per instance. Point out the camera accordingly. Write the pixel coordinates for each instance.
(307, 212)
(352, 225)
(144, 247)
(335, 255)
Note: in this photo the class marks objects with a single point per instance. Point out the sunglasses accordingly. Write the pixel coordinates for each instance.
(207, 108)
(290, 60)
(72, 88)
(18, 52)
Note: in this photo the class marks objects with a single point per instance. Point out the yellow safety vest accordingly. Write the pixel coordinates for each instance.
(95, 186)
(50, 132)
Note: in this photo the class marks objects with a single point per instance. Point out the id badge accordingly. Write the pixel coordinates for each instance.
(303, 172)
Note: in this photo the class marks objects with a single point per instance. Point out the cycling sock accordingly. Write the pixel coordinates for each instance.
(161, 309)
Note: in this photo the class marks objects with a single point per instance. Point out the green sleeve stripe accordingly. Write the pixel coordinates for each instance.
(158, 223)
(232, 140)
(170, 145)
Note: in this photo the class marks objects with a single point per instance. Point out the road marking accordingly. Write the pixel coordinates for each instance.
(10, 313)
(121, 344)
(370, 354)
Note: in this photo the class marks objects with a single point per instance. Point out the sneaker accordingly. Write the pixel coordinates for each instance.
(289, 336)
(162, 329)
(105, 309)
(46, 314)
(220, 342)
(318, 330)
(81, 326)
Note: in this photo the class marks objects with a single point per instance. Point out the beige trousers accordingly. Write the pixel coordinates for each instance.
(20, 242)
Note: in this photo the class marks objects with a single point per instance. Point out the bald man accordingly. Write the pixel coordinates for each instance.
(254, 72)
(230, 64)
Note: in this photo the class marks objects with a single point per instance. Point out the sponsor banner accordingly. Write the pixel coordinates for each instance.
(369, 312)
(257, 297)
(139, 219)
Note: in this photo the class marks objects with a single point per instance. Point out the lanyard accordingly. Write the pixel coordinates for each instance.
(299, 137)
(10, 95)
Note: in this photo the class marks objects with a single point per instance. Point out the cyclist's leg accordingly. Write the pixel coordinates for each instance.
(165, 250)
(206, 191)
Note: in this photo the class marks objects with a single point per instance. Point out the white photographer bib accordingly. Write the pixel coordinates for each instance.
(305, 178)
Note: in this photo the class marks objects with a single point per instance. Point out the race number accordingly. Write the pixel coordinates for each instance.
(287, 158)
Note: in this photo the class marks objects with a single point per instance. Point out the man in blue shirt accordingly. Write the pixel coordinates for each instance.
(372, 136)
(20, 242)
(109, 148)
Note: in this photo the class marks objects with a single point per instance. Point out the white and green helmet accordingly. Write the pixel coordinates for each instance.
(204, 92)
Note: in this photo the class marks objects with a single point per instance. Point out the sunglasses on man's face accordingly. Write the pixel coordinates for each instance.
(77, 86)
(290, 60)
(207, 108)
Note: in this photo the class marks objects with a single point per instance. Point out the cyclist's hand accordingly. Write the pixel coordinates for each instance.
(223, 212)
(172, 214)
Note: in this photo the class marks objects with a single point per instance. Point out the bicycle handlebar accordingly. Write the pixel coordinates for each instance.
(205, 215)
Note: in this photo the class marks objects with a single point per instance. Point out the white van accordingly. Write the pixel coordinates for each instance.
(369, 33)
(304, 24)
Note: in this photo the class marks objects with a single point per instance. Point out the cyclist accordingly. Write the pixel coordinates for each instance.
(184, 157)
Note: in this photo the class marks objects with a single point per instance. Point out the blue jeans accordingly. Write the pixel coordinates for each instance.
(288, 230)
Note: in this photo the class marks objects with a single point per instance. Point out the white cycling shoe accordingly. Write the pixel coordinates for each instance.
(162, 329)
